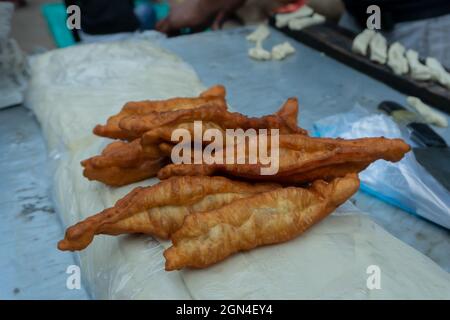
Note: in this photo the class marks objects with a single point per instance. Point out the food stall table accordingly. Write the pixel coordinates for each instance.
(31, 265)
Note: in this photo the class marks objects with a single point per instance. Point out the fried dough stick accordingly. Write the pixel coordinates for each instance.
(122, 163)
(267, 218)
(303, 159)
(285, 119)
(162, 135)
(214, 97)
(159, 210)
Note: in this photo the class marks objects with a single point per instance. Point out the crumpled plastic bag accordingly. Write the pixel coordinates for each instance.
(405, 184)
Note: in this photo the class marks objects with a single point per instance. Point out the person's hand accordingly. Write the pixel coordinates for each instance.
(288, 6)
(198, 14)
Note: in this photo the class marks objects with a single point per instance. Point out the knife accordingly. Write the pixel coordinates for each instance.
(433, 152)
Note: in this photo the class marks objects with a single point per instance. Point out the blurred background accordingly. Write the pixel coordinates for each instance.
(40, 24)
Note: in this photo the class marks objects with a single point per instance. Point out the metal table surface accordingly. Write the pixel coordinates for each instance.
(30, 265)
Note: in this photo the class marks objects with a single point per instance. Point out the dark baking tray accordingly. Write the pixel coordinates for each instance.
(336, 42)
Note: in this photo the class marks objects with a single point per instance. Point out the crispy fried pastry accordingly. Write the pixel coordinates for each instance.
(163, 134)
(122, 163)
(160, 210)
(304, 159)
(285, 119)
(214, 97)
(263, 219)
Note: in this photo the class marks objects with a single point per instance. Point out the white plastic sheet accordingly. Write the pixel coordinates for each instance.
(405, 184)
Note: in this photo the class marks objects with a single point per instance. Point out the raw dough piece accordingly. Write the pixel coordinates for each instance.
(361, 42)
(429, 115)
(281, 51)
(259, 53)
(378, 49)
(302, 23)
(439, 73)
(282, 20)
(260, 34)
(396, 59)
(418, 70)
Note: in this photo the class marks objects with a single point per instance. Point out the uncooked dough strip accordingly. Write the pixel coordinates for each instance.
(282, 20)
(378, 49)
(439, 73)
(361, 42)
(396, 59)
(429, 115)
(260, 34)
(302, 23)
(281, 51)
(418, 70)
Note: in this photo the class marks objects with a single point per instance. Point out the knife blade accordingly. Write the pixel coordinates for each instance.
(433, 152)
(436, 161)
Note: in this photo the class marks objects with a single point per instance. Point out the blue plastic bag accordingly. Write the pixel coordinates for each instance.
(405, 184)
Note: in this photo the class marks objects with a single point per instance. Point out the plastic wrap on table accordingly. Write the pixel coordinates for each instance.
(71, 91)
(405, 184)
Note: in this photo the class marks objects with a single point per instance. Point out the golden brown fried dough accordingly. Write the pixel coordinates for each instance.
(166, 148)
(263, 219)
(304, 159)
(118, 177)
(214, 97)
(122, 163)
(285, 119)
(163, 134)
(160, 210)
(214, 91)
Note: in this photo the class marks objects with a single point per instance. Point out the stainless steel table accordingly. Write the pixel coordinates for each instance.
(30, 265)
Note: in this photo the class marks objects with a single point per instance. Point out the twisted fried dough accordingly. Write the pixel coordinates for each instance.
(285, 119)
(159, 210)
(263, 219)
(304, 159)
(214, 97)
(122, 163)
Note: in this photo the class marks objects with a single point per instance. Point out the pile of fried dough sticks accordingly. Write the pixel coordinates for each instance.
(211, 211)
